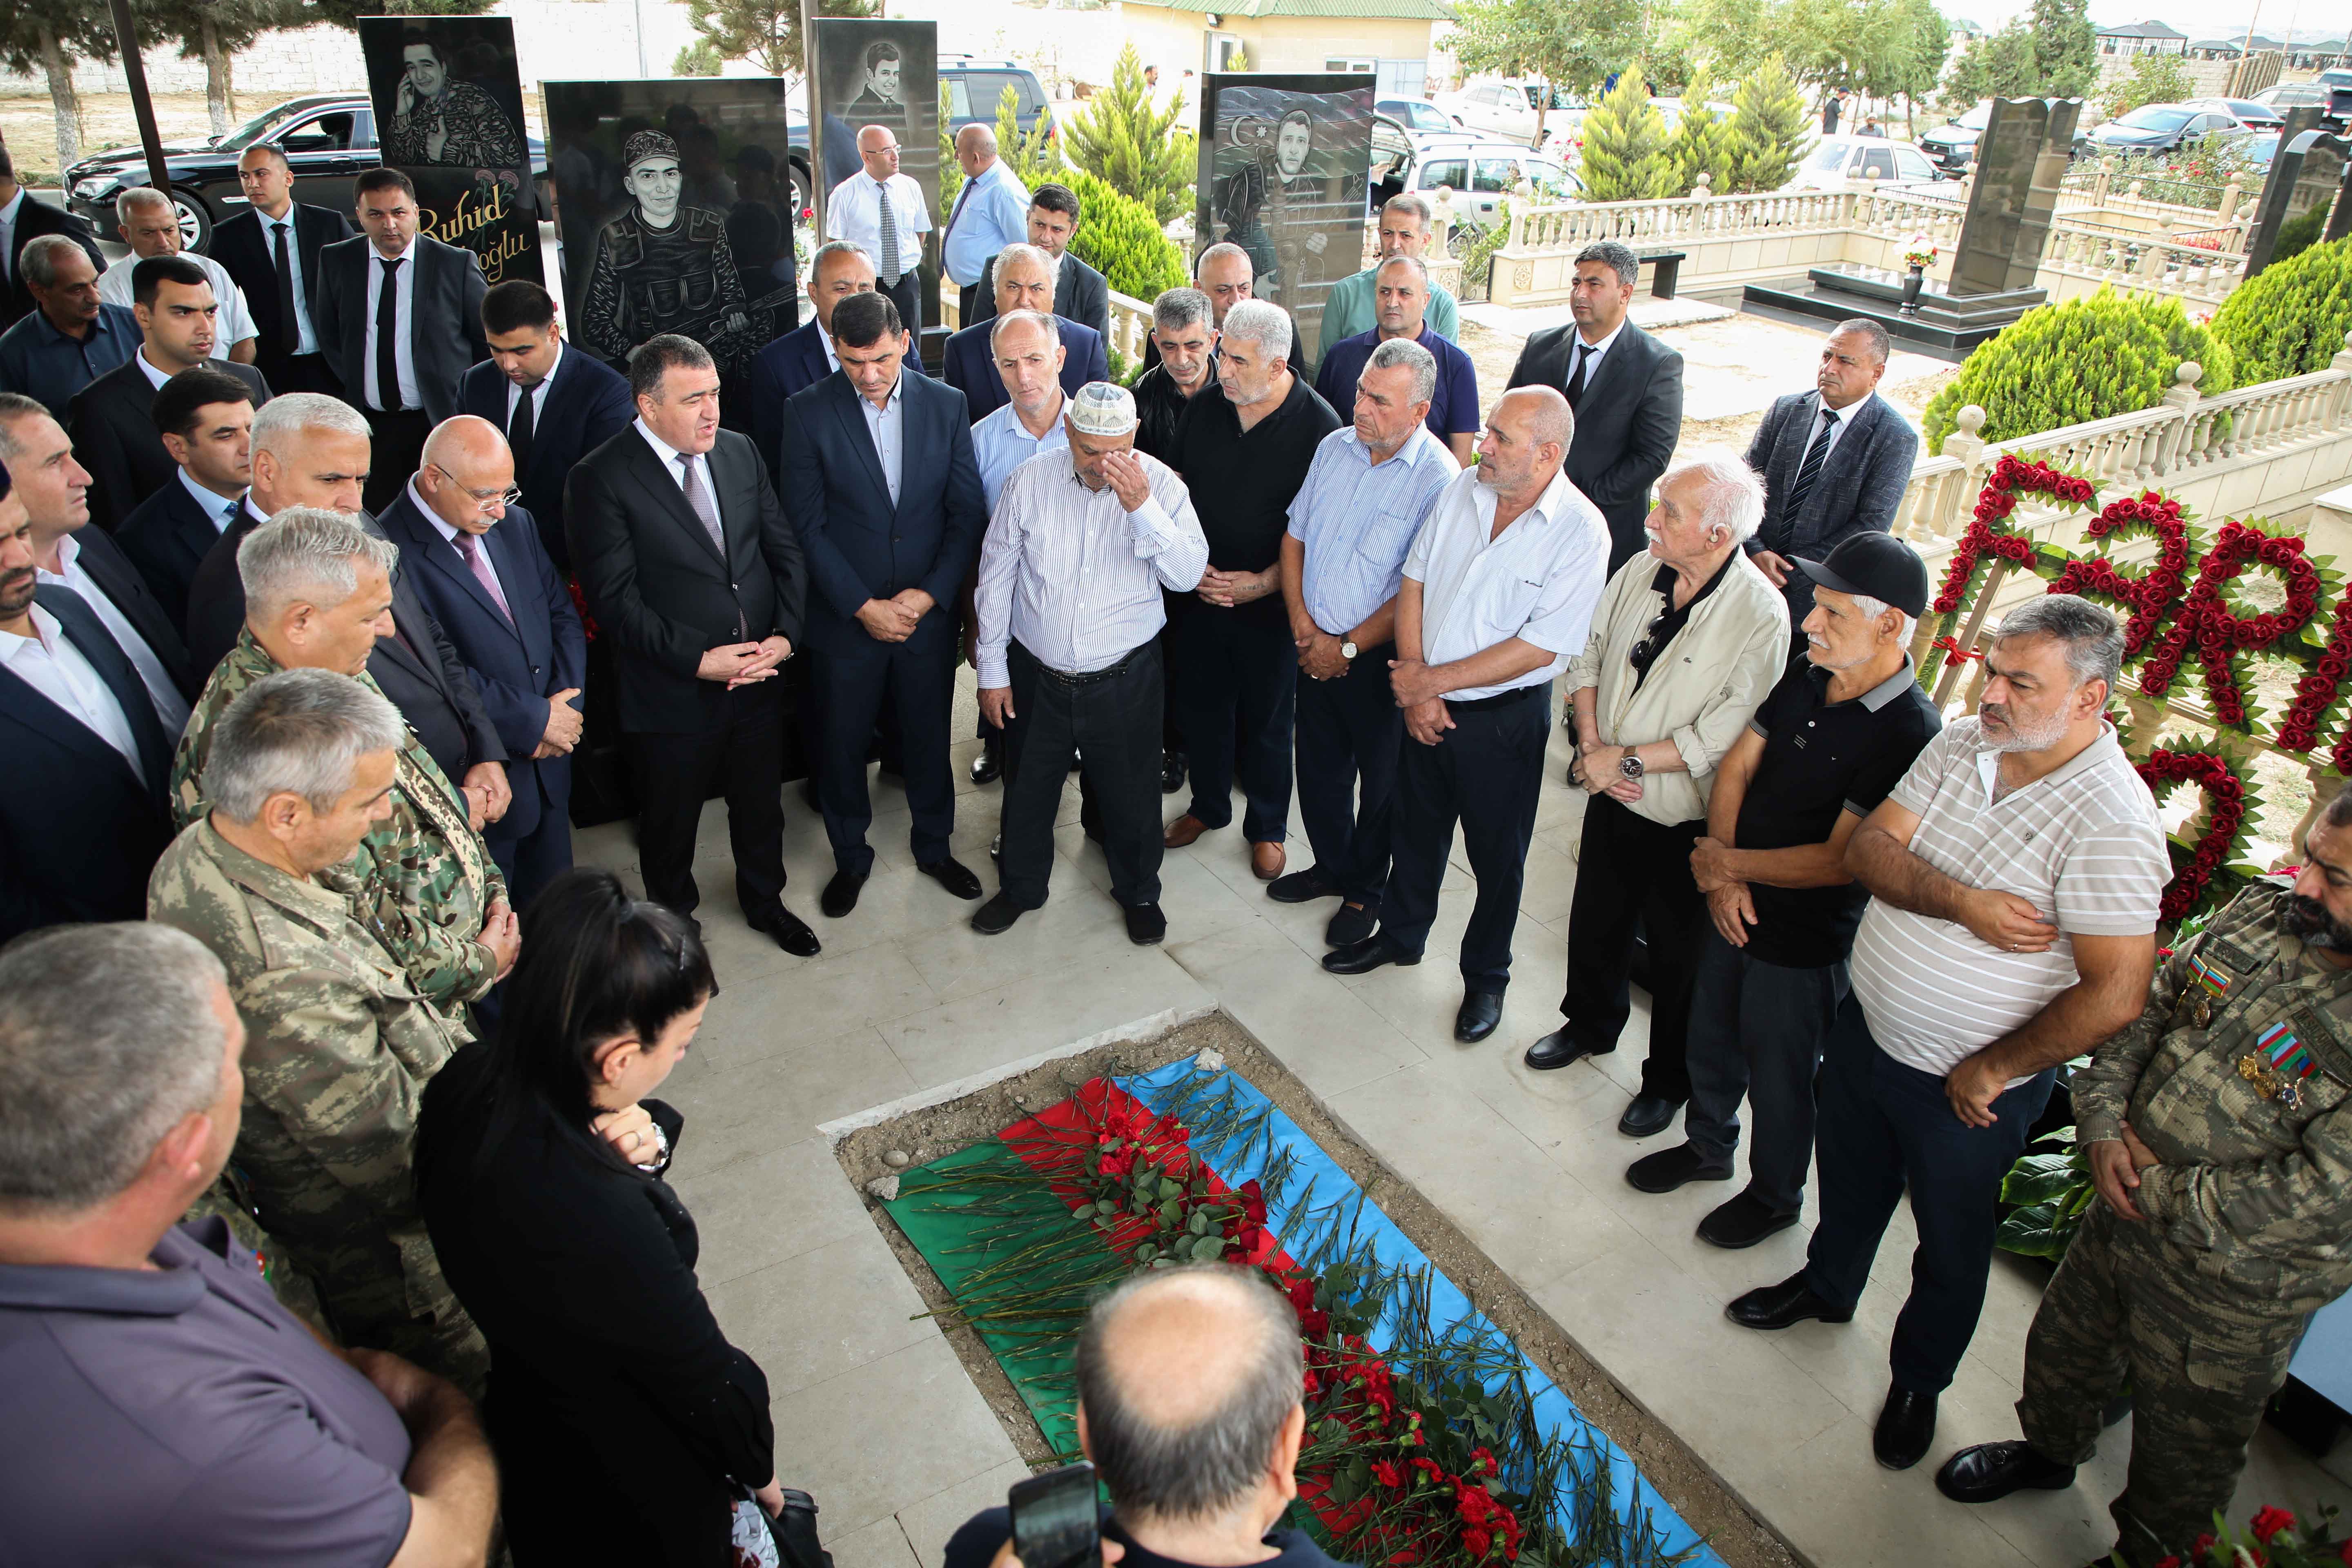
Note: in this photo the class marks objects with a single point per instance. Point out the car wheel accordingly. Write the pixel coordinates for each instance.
(799, 184)
(196, 223)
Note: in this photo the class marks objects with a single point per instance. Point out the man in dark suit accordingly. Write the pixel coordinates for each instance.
(1080, 293)
(82, 818)
(69, 553)
(477, 560)
(272, 249)
(803, 357)
(1834, 460)
(310, 449)
(1024, 276)
(690, 567)
(400, 320)
(111, 420)
(880, 481)
(21, 219)
(206, 419)
(552, 403)
(1625, 386)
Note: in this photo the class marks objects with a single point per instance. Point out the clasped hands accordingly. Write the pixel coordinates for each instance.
(1319, 657)
(1422, 694)
(2115, 1165)
(1597, 769)
(894, 619)
(487, 793)
(741, 663)
(1226, 589)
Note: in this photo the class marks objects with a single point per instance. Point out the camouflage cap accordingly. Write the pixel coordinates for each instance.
(647, 144)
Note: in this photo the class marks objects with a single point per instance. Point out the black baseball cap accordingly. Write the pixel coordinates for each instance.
(1876, 566)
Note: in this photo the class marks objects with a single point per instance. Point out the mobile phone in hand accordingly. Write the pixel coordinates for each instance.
(1057, 1522)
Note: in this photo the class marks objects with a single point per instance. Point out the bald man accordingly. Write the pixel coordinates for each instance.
(991, 212)
(477, 558)
(881, 210)
(1189, 1383)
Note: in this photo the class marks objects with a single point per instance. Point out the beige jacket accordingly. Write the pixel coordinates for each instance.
(1701, 692)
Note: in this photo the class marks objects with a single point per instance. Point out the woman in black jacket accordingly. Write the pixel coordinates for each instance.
(626, 1427)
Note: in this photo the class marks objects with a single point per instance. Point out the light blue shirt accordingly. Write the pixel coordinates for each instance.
(888, 426)
(307, 340)
(219, 510)
(990, 213)
(1357, 520)
(1001, 443)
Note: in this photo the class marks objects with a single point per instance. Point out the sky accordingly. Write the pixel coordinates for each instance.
(2198, 19)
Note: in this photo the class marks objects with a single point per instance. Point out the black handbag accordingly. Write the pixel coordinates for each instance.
(794, 1529)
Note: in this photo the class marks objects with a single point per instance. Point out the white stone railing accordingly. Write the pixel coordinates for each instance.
(2078, 259)
(1130, 324)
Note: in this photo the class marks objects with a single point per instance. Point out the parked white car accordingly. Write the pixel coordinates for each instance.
(1509, 108)
(1858, 162)
(1481, 173)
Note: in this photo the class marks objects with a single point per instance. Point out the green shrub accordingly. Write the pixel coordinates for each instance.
(1137, 148)
(1477, 254)
(1702, 144)
(2091, 357)
(2291, 319)
(1118, 238)
(699, 57)
(1769, 129)
(1626, 156)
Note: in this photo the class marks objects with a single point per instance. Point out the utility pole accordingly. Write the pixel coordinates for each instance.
(142, 107)
(644, 67)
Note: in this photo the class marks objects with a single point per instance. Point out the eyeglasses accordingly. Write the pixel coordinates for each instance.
(507, 497)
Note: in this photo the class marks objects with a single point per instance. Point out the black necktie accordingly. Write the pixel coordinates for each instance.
(1574, 391)
(519, 429)
(387, 333)
(1810, 468)
(287, 327)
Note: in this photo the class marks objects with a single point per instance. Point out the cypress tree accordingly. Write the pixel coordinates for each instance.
(1769, 128)
(1122, 139)
(1702, 143)
(1626, 156)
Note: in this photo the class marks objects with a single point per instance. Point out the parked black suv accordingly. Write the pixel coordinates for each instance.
(328, 139)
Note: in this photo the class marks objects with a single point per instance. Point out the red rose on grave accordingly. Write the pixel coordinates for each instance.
(2269, 1522)
(2335, 666)
(1252, 1197)
(1117, 1164)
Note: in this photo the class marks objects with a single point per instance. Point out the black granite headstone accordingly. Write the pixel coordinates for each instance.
(2020, 157)
(2304, 200)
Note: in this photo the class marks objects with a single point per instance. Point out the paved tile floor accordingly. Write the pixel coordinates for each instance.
(875, 1417)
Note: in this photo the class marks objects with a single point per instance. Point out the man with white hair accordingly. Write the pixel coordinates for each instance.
(164, 1407)
(1024, 281)
(1243, 455)
(1688, 639)
(1225, 274)
(300, 770)
(150, 225)
(1497, 595)
(1079, 548)
(319, 596)
(1838, 732)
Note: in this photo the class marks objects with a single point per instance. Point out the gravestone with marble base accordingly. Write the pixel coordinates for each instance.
(2306, 200)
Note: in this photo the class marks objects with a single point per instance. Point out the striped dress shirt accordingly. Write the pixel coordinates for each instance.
(2083, 845)
(1075, 576)
(1356, 519)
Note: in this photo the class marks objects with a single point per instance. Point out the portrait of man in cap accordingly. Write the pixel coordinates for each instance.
(665, 266)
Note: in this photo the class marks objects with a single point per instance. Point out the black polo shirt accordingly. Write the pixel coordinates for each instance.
(1243, 483)
(1160, 403)
(1821, 758)
(974, 1544)
(1668, 622)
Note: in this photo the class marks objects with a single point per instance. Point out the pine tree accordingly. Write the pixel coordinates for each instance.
(1136, 147)
(1626, 146)
(1768, 129)
(212, 31)
(765, 31)
(2065, 49)
(1702, 143)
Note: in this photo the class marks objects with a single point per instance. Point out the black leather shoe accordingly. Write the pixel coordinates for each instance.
(952, 874)
(1481, 1010)
(996, 915)
(1742, 1222)
(1907, 1429)
(1363, 957)
(1649, 1115)
(1145, 924)
(1669, 1169)
(1992, 1470)
(1350, 925)
(789, 932)
(1781, 1305)
(1556, 1050)
(987, 767)
(1302, 886)
(1171, 772)
(841, 894)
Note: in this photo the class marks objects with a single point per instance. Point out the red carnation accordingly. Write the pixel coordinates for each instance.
(1478, 1541)
(1387, 1474)
(2270, 1521)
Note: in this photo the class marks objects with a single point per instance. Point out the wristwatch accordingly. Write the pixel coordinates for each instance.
(1630, 765)
(1347, 650)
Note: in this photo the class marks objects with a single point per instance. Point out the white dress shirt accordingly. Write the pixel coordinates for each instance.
(538, 394)
(449, 534)
(1845, 417)
(832, 359)
(8, 234)
(853, 212)
(233, 325)
(219, 510)
(307, 337)
(403, 352)
(1074, 576)
(669, 456)
(887, 427)
(50, 664)
(1593, 355)
(1540, 581)
(169, 705)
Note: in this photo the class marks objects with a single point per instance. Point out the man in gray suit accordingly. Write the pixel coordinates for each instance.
(1834, 462)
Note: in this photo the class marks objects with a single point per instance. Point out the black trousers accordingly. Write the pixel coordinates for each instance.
(915, 678)
(1485, 772)
(743, 754)
(1755, 1032)
(1634, 875)
(1236, 682)
(398, 448)
(908, 295)
(1112, 724)
(299, 373)
(1349, 733)
(1886, 1128)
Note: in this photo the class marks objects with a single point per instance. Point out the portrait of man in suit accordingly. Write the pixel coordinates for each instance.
(877, 101)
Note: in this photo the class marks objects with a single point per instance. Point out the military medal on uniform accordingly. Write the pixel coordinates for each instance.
(2277, 1065)
(2215, 980)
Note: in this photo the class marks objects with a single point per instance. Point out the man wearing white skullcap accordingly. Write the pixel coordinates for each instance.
(1079, 546)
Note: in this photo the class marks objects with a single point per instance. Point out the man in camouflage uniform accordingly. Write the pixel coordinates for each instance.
(339, 1044)
(422, 876)
(2217, 1131)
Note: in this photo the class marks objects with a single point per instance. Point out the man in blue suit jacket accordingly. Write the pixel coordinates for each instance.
(477, 561)
(803, 357)
(1863, 461)
(1024, 281)
(80, 823)
(206, 421)
(553, 405)
(881, 482)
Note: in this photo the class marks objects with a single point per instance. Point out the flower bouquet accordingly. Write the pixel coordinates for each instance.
(1919, 251)
(2273, 1538)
